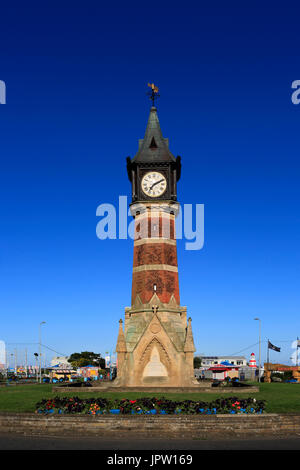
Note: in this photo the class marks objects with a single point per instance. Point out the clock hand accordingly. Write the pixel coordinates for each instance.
(156, 183)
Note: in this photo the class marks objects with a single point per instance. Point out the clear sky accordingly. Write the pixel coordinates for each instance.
(76, 75)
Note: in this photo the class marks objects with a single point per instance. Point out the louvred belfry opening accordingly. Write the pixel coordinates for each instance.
(153, 144)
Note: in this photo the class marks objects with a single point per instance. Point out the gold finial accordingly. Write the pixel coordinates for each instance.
(154, 93)
(154, 88)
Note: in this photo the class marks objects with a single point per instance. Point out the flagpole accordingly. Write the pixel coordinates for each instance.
(259, 365)
(268, 354)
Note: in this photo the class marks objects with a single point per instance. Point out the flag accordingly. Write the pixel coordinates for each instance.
(271, 346)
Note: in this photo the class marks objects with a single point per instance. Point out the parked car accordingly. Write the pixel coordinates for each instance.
(215, 383)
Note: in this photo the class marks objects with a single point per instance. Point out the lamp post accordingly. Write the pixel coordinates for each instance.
(112, 354)
(259, 356)
(110, 363)
(36, 355)
(16, 365)
(6, 362)
(40, 352)
(11, 355)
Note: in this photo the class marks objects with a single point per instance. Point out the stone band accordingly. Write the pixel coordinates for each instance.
(155, 267)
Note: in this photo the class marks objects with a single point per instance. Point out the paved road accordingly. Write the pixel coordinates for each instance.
(12, 441)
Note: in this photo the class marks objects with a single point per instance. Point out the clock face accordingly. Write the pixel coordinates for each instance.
(154, 184)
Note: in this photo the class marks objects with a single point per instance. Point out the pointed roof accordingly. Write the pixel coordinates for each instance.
(189, 341)
(153, 147)
(121, 343)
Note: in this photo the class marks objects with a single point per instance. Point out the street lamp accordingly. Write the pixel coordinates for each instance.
(40, 368)
(16, 364)
(110, 363)
(11, 355)
(259, 362)
(36, 355)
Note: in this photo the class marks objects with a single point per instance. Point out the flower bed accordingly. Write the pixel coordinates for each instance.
(150, 406)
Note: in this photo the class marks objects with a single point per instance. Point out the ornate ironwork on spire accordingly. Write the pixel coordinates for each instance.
(153, 94)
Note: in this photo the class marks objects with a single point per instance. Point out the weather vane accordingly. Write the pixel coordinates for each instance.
(153, 94)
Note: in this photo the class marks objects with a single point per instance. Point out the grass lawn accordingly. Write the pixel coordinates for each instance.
(280, 397)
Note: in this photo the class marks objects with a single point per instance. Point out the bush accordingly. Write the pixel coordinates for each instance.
(277, 375)
(230, 405)
(288, 375)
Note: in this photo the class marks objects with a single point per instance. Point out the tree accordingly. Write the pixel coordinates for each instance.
(86, 358)
(197, 362)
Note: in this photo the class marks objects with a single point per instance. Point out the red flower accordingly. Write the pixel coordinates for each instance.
(132, 401)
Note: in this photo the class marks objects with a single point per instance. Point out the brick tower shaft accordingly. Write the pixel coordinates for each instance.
(155, 268)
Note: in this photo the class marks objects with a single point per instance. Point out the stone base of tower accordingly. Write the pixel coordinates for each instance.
(156, 348)
(179, 382)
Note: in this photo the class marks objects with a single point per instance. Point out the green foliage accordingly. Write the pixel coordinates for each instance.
(153, 405)
(277, 375)
(86, 358)
(197, 362)
(280, 397)
(287, 375)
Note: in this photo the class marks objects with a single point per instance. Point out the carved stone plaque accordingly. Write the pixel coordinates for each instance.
(155, 328)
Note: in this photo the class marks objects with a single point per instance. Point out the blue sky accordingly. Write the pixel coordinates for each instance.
(76, 76)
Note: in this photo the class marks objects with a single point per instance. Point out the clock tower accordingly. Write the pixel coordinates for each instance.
(155, 347)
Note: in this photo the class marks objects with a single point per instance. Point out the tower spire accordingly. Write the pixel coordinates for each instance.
(153, 147)
(121, 343)
(189, 341)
